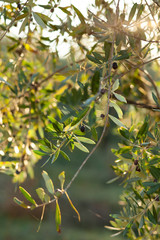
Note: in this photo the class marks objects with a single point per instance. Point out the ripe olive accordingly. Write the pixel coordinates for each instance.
(82, 128)
(103, 90)
(102, 115)
(114, 65)
(136, 162)
(138, 169)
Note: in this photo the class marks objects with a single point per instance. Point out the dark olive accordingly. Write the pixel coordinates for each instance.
(19, 6)
(103, 90)
(102, 115)
(82, 128)
(114, 65)
(138, 169)
(136, 162)
(18, 172)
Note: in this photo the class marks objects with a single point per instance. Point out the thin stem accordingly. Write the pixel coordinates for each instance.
(105, 124)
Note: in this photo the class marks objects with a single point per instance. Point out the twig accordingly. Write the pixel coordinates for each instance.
(13, 20)
(105, 124)
(143, 105)
(149, 77)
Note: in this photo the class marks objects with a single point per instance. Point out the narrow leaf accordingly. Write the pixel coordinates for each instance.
(22, 28)
(73, 206)
(85, 140)
(117, 121)
(81, 147)
(61, 177)
(151, 217)
(55, 156)
(79, 14)
(115, 85)
(117, 109)
(58, 218)
(39, 152)
(65, 155)
(4, 81)
(20, 203)
(120, 97)
(132, 12)
(39, 20)
(48, 182)
(27, 196)
(40, 192)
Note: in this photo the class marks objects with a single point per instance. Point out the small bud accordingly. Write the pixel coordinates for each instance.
(103, 90)
(138, 169)
(82, 128)
(114, 65)
(58, 193)
(52, 10)
(136, 162)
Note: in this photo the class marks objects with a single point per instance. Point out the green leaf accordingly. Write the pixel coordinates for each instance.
(155, 172)
(141, 223)
(64, 9)
(132, 12)
(39, 20)
(39, 152)
(81, 147)
(61, 177)
(143, 130)
(115, 85)
(93, 59)
(22, 28)
(41, 193)
(151, 217)
(95, 82)
(140, 11)
(98, 56)
(94, 133)
(45, 148)
(124, 132)
(57, 125)
(155, 98)
(117, 121)
(27, 196)
(48, 182)
(79, 14)
(46, 198)
(58, 218)
(20, 203)
(155, 213)
(4, 81)
(77, 120)
(22, 16)
(107, 49)
(65, 155)
(55, 156)
(73, 206)
(117, 108)
(120, 97)
(85, 140)
(44, 17)
(153, 189)
(138, 196)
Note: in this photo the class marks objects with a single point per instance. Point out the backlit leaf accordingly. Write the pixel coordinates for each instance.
(58, 218)
(48, 182)
(27, 195)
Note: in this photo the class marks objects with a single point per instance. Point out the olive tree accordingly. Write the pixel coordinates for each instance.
(50, 105)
